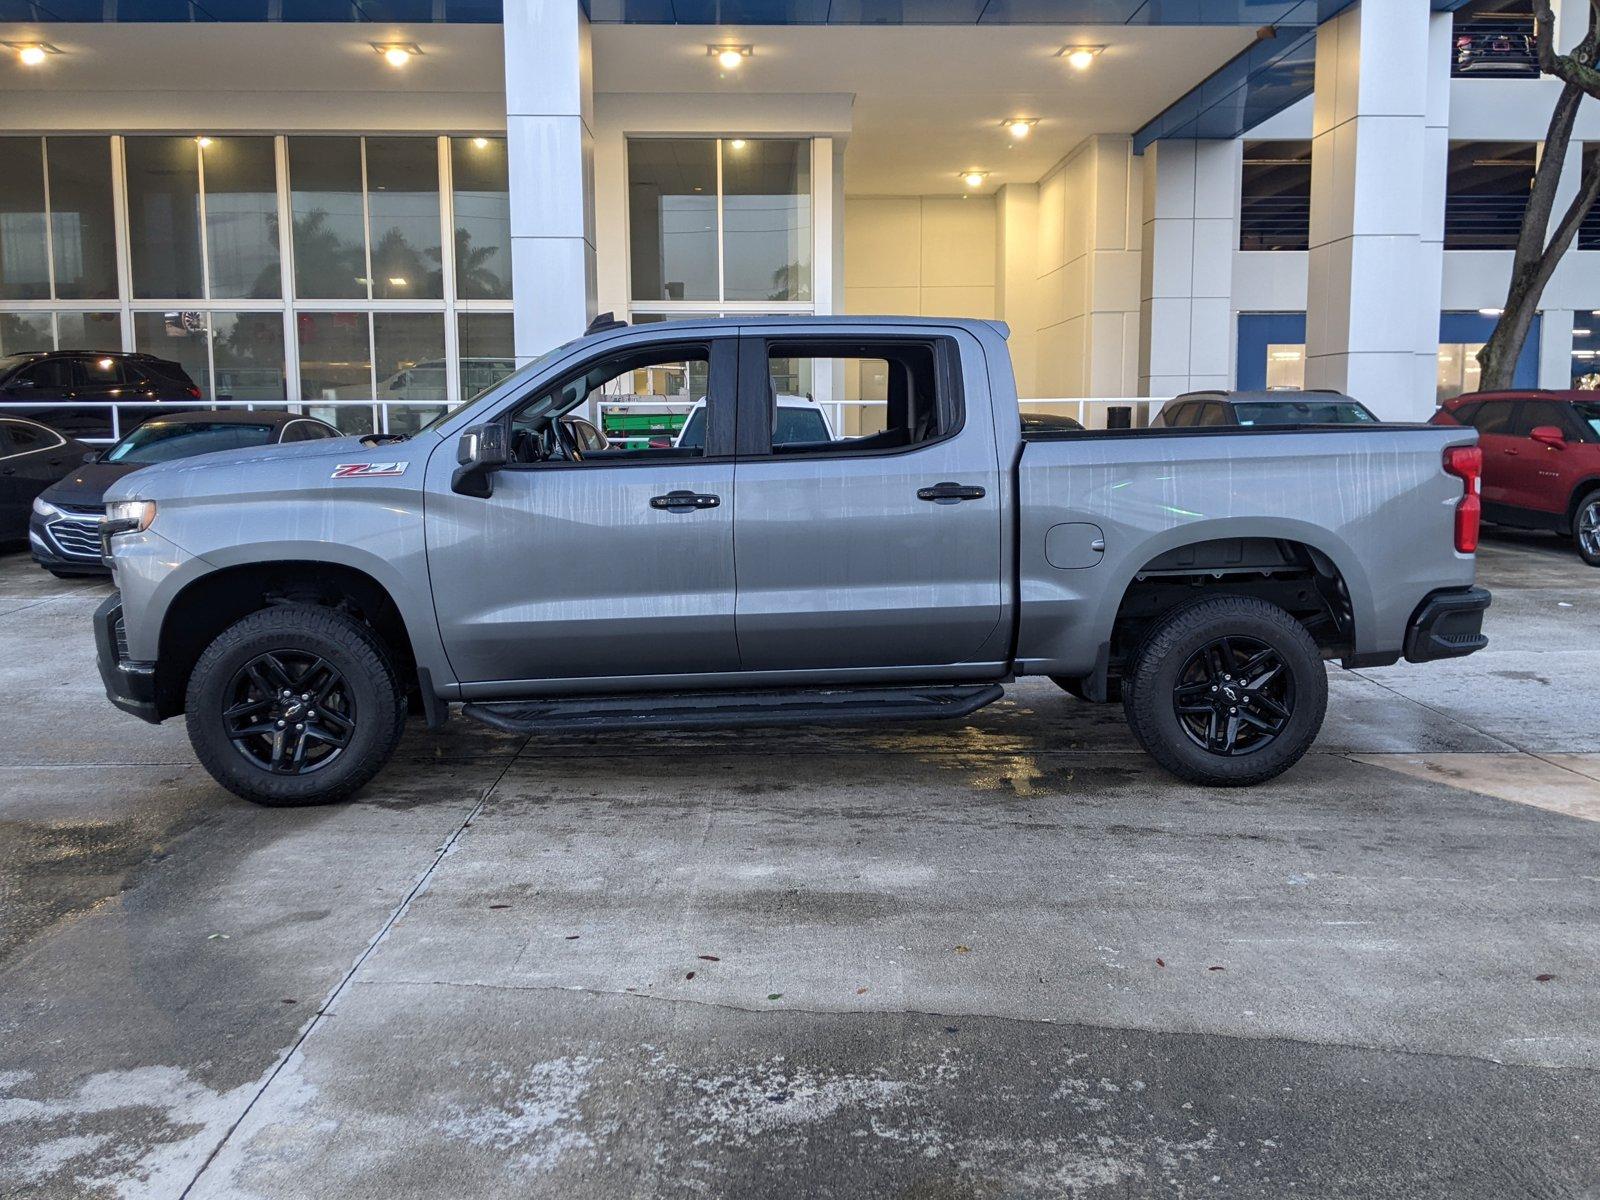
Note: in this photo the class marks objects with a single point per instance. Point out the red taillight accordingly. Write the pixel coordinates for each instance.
(194, 392)
(1466, 464)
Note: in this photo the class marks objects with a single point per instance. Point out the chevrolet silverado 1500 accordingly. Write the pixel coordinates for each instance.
(294, 601)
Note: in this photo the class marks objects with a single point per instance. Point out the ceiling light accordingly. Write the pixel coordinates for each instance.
(1080, 58)
(482, 143)
(1020, 127)
(1491, 312)
(729, 57)
(738, 144)
(1577, 332)
(202, 142)
(32, 54)
(398, 281)
(974, 179)
(397, 54)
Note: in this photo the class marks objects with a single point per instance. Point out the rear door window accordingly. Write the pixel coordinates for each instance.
(1536, 413)
(1494, 417)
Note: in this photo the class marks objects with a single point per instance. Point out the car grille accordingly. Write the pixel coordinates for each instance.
(77, 537)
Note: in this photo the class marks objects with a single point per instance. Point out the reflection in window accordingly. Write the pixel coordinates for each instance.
(164, 216)
(248, 350)
(330, 247)
(672, 219)
(82, 224)
(482, 218)
(335, 356)
(179, 337)
(241, 188)
(1286, 365)
(766, 219)
(21, 332)
(88, 331)
(411, 365)
(24, 269)
(403, 208)
(486, 348)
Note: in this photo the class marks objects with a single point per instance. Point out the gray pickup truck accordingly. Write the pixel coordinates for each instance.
(295, 601)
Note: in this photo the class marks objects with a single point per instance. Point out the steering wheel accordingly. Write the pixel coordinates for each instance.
(564, 442)
(526, 446)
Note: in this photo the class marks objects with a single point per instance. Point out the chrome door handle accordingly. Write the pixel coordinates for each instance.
(1098, 545)
(950, 493)
(682, 502)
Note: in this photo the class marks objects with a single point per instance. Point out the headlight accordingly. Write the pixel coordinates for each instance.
(43, 508)
(129, 516)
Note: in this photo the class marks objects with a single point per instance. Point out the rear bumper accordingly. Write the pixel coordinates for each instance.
(1448, 624)
(131, 686)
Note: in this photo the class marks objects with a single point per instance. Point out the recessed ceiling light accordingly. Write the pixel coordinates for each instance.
(32, 54)
(1019, 127)
(1080, 58)
(730, 56)
(738, 144)
(202, 142)
(1576, 332)
(974, 179)
(397, 54)
(1490, 312)
(482, 143)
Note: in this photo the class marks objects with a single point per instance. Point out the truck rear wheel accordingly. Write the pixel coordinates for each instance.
(1226, 692)
(294, 705)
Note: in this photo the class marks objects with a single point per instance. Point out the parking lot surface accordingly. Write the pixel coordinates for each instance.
(1005, 958)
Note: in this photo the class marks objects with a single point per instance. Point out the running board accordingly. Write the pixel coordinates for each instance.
(727, 710)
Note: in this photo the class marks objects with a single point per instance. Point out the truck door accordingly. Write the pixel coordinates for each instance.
(879, 543)
(598, 563)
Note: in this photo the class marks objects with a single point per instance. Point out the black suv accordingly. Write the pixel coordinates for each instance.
(90, 377)
(1282, 407)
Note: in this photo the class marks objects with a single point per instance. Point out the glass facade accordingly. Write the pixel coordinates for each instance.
(333, 271)
(720, 220)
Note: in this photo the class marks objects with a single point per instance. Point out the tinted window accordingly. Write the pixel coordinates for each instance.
(1213, 413)
(799, 425)
(1180, 416)
(100, 372)
(1588, 414)
(1535, 413)
(1494, 417)
(1465, 412)
(162, 441)
(25, 437)
(53, 375)
(1304, 412)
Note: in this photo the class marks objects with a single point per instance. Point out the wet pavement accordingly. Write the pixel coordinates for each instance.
(1005, 959)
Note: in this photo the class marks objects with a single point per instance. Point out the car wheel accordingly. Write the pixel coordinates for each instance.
(1226, 692)
(1586, 529)
(294, 705)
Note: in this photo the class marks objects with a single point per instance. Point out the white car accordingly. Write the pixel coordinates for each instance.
(798, 420)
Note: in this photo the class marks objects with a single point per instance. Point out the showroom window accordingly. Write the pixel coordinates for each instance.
(724, 220)
(1586, 350)
(1486, 192)
(368, 278)
(1275, 196)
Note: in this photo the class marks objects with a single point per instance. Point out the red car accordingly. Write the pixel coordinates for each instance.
(1541, 460)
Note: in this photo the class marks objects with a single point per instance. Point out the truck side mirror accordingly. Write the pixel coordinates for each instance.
(482, 450)
(1549, 435)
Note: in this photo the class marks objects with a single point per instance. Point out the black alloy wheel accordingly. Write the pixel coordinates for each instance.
(289, 712)
(1234, 696)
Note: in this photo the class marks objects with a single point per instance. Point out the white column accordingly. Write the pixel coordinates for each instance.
(1191, 229)
(1380, 140)
(550, 147)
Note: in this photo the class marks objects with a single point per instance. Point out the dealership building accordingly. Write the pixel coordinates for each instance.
(377, 207)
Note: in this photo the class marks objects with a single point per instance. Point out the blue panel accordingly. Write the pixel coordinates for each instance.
(1257, 331)
(1475, 327)
(1262, 80)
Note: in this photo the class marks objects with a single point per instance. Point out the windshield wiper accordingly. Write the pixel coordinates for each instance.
(384, 439)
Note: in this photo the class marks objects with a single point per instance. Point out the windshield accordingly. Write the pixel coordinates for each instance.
(471, 376)
(1303, 412)
(163, 441)
(1589, 413)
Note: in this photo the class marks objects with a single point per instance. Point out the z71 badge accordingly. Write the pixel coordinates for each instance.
(367, 470)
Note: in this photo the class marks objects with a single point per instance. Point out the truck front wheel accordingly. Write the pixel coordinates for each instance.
(294, 705)
(1226, 692)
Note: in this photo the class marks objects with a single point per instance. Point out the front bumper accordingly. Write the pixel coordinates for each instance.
(1448, 624)
(131, 686)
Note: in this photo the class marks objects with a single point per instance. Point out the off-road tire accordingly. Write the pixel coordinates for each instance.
(351, 648)
(1153, 672)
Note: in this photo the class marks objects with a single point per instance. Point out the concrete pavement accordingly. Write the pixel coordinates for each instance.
(1005, 959)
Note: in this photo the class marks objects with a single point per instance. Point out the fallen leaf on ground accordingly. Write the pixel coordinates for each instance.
(709, 958)
(572, 937)
(775, 996)
(1545, 978)
(1161, 962)
(963, 949)
(499, 906)
(861, 991)
(1216, 968)
(690, 975)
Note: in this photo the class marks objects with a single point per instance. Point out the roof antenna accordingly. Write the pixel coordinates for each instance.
(604, 321)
